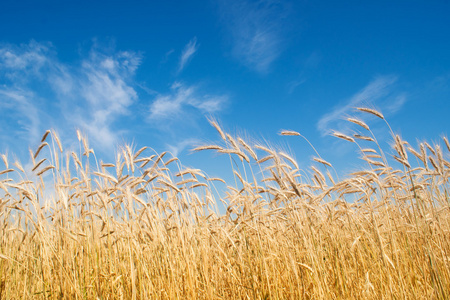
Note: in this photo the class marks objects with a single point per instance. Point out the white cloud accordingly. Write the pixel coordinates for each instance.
(395, 103)
(21, 64)
(19, 106)
(33, 55)
(256, 29)
(378, 92)
(61, 81)
(182, 98)
(93, 95)
(310, 63)
(105, 89)
(179, 147)
(97, 94)
(102, 134)
(188, 51)
(104, 84)
(166, 56)
(291, 86)
(209, 104)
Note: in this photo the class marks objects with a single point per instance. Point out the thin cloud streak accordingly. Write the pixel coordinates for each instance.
(189, 50)
(179, 147)
(378, 91)
(183, 98)
(19, 105)
(256, 29)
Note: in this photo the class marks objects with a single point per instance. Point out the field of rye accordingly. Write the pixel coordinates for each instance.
(145, 227)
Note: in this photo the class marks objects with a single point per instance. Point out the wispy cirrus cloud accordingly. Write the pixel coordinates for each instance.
(183, 98)
(188, 52)
(379, 92)
(256, 29)
(178, 113)
(310, 64)
(106, 86)
(31, 57)
(96, 93)
(177, 148)
(20, 106)
(23, 115)
(91, 96)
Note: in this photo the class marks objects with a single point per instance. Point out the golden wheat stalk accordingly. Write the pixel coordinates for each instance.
(359, 122)
(289, 132)
(343, 136)
(371, 111)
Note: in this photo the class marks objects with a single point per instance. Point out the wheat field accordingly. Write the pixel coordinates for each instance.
(145, 227)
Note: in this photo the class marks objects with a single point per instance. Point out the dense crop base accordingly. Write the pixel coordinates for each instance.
(143, 229)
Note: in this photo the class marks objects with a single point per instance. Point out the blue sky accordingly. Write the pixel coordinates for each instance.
(150, 72)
